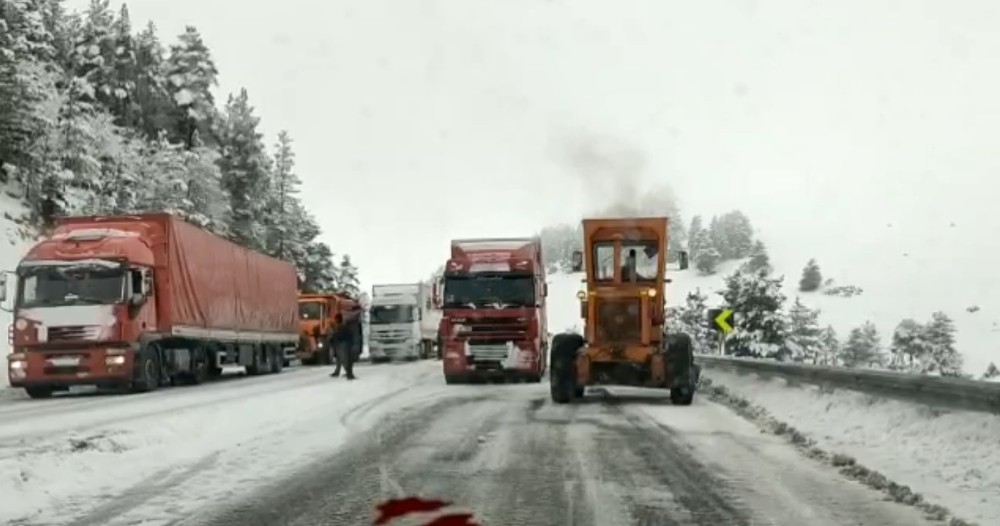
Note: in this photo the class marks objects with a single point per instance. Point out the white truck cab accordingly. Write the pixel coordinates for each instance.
(394, 330)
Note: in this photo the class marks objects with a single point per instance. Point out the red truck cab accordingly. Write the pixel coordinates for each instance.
(493, 324)
(143, 301)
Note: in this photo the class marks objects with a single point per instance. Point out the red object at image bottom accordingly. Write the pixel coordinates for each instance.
(396, 508)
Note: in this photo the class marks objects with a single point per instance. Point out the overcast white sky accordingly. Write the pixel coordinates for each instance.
(418, 121)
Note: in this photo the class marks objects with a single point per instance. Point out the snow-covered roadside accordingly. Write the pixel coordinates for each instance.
(950, 457)
(167, 464)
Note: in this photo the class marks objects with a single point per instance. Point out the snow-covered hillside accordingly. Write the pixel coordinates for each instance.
(912, 281)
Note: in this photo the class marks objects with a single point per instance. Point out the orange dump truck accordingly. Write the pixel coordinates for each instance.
(144, 301)
(317, 322)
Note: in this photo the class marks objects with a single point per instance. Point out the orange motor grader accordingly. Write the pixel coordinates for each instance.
(624, 342)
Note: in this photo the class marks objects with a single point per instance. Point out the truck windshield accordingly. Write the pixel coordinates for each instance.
(392, 314)
(71, 285)
(489, 291)
(312, 310)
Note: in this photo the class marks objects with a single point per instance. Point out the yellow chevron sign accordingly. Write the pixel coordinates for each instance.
(720, 320)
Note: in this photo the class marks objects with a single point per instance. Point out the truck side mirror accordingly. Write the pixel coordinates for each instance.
(3, 287)
(577, 261)
(545, 290)
(583, 309)
(684, 259)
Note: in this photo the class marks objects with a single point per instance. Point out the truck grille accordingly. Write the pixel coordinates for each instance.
(73, 333)
(488, 353)
(492, 328)
(619, 320)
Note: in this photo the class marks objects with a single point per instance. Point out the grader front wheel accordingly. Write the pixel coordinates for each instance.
(562, 377)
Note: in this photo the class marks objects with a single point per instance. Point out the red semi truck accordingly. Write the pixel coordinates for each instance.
(144, 301)
(493, 324)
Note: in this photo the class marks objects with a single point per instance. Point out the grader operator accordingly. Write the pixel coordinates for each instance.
(625, 340)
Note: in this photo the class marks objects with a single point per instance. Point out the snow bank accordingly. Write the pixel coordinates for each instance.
(947, 456)
(12, 247)
(167, 453)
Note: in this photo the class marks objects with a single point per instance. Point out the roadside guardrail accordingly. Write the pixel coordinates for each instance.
(960, 393)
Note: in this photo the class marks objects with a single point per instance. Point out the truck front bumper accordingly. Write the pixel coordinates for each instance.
(393, 351)
(94, 366)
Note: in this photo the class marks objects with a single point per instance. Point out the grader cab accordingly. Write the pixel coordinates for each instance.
(625, 341)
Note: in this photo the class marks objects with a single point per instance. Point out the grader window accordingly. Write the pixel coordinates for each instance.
(639, 261)
(604, 261)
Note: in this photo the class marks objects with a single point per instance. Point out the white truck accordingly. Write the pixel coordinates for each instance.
(403, 322)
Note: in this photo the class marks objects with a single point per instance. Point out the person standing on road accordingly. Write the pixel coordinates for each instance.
(343, 345)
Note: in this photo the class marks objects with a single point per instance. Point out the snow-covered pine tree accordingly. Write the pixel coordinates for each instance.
(348, 277)
(124, 72)
(694, 237)
(908, 350)
(804, 335)
(245, 171)
(93, 52)
(281, 215)
(863, 347)
(708, 256)
(829, 347)
(992, 371)
(689, 319)
(940, 336)
(318, 269)
(210, 206)
(191, 74)
(759, 260)
(117, 189)
(760, 325)
(156, 109)
(718, 238)
(738, 234)
(812, 278)
(27, 101)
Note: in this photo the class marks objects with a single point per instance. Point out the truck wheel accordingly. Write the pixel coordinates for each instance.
(680, 360)
(682, 395)
(277, 360)
(259, 365)
(326, 354)
(147, 371)
(38, 392)
(199, 366)
(562, 379)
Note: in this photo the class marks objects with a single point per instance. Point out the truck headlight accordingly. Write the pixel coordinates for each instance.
(18, 365)
(114, 360)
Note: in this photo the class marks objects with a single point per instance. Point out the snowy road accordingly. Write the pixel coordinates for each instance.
(164, 455)
(509, 455)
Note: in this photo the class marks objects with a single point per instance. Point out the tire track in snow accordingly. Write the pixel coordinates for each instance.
(141, 493)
